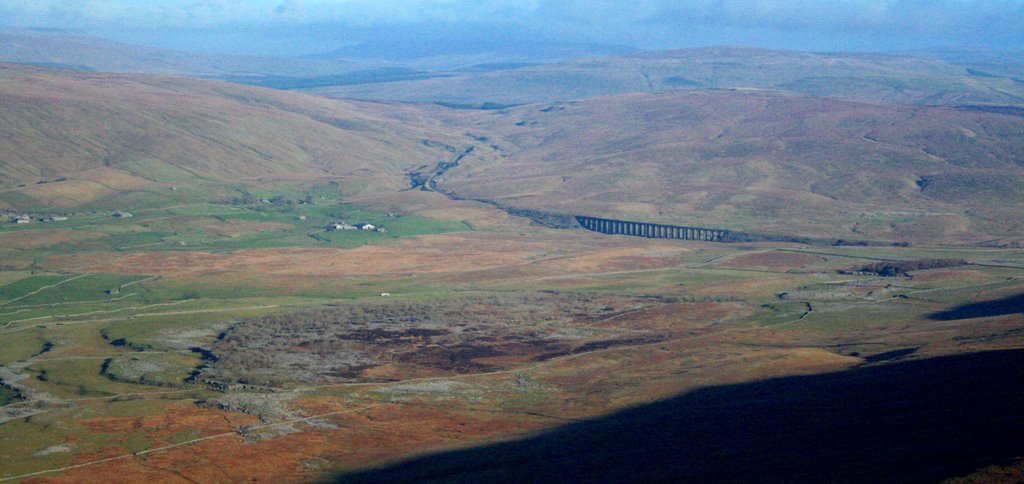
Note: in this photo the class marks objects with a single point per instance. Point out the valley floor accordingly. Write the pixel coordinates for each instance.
(288, 364)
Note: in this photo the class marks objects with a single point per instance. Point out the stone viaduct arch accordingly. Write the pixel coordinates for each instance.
(651, 231)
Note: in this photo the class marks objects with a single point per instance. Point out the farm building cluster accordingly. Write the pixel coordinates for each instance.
(336, 226)
(24, 219)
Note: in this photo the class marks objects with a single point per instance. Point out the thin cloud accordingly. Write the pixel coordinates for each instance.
(929, 17)
(209, 13)
(650, 23)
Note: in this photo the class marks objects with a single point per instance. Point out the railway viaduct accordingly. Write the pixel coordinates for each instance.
(653, 231)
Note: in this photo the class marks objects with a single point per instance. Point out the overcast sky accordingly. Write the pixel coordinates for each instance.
(293, 27)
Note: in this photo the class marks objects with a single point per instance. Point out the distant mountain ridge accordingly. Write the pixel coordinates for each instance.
(476, 78)
(863, 77)
(79, 50)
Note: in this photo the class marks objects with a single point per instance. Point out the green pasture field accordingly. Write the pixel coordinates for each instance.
(78, 378)
(55, 289)
(21, 345)
(40, 299)
(208, 227)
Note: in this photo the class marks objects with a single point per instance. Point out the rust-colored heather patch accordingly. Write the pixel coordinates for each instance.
(673, 317)
(235, 227)
(617, 259)
(27, 239)
(361, 439)
(104, 453)
(113, 425)
(432, 254)
(772, 260)
(67, 194)
(746, 287)
(177, 417)
(960, 275)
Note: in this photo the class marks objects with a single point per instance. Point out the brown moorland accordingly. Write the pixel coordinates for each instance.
(757, 160)
(68, 124)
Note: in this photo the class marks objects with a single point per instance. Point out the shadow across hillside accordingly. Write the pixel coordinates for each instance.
(997, 307)
(910, 422)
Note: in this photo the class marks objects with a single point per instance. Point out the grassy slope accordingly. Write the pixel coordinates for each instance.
(758, 160)
(110, 134)
(869, 77)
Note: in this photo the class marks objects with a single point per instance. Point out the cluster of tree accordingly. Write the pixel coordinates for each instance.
(9, 394)
(277, 201)
(901, 267)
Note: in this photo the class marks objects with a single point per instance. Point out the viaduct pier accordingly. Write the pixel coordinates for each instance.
(654, 231)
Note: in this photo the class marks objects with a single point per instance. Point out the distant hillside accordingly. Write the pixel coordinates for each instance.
(864, 77)
(70, 137)
(750, 160)
(437, 49)
(81, 51)
(757, 160)
(484, 79)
